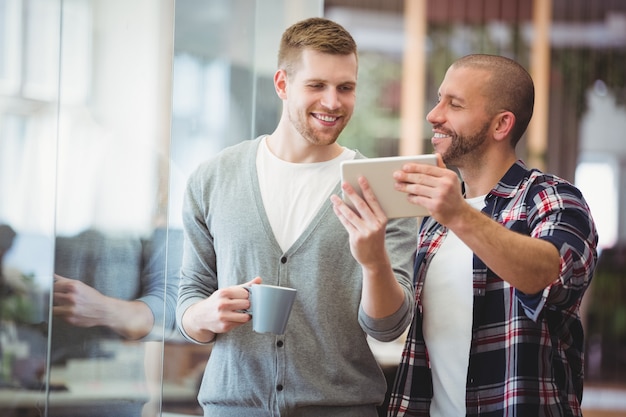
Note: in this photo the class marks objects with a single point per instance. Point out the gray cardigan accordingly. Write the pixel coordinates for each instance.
(322, 365)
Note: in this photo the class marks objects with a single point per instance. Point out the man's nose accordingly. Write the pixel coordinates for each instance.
(435, 116)
(330, 99)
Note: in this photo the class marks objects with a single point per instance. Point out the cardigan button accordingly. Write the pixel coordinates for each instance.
(279, 387)
(283, 259)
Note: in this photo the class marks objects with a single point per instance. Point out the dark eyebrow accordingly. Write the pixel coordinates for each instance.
(452, 97)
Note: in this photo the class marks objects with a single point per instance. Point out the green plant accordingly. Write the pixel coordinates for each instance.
(18, 306)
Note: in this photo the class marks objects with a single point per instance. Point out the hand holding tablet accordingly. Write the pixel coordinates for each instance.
(379, 174)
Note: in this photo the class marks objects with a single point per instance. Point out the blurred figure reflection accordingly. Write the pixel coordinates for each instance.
(109, 290)
(111, 286)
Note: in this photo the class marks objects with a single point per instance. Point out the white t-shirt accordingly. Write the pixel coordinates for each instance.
(447, 301)
(293, 193)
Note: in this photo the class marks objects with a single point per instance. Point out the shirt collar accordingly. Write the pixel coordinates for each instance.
(511, 181)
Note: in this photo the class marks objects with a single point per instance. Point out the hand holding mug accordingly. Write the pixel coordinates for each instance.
(223, 311)
(270, 307)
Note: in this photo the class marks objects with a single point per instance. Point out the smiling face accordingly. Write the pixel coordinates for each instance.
(461, 121)
(319, 95)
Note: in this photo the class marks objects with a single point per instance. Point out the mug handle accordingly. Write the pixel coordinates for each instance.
(248, 311)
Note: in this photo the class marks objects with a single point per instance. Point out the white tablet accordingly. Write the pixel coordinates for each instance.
(379, 174)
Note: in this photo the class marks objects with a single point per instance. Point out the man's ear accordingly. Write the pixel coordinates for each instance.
(280, 83)
(504, 123)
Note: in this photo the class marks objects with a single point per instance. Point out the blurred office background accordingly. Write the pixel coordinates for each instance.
(106, 106)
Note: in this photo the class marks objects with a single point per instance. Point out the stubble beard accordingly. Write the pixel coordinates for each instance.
(312, 135)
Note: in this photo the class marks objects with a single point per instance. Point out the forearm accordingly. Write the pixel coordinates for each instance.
(130, 319)
(527, 263)
(382, 295)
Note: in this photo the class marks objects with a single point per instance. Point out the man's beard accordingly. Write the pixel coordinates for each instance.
(463, 146)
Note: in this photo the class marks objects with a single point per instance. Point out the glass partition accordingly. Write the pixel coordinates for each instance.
(105, 109)
(85, 124)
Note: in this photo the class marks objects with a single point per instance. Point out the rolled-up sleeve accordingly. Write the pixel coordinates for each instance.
(561, 216)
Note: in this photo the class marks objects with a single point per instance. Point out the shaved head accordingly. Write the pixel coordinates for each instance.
(510, 88)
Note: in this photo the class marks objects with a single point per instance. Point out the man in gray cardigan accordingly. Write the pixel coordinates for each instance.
(261, 212)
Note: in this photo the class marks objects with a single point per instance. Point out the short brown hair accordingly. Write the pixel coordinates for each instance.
(510, 88)
(316, 33)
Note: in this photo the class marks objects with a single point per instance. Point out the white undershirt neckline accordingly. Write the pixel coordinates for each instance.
(447, 300)
(293, 193)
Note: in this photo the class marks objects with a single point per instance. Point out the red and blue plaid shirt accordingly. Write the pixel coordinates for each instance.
(526, 354)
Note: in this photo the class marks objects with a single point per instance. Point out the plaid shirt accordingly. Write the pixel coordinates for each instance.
(526, 354)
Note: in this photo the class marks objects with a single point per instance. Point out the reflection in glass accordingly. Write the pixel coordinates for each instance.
(84, 162)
